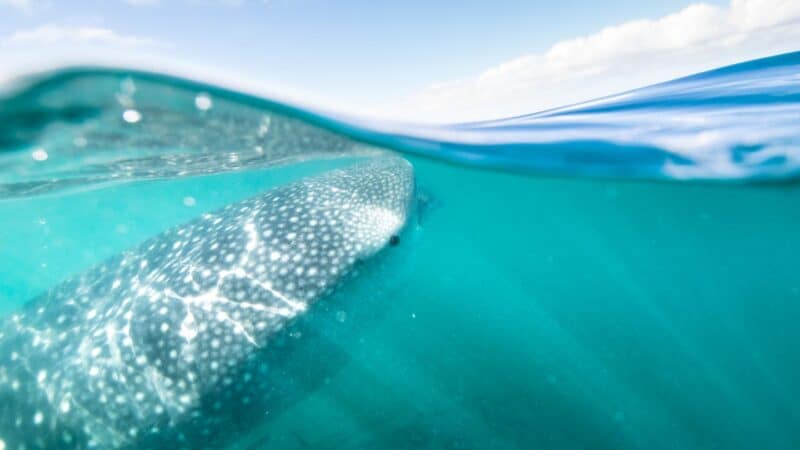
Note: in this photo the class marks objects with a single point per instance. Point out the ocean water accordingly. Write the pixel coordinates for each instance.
(619, 274)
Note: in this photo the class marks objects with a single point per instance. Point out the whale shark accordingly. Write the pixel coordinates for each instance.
(160, 345)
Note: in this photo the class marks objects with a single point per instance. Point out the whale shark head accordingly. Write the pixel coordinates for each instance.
(169, 333)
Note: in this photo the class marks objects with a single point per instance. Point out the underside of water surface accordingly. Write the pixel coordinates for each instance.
(616, 274)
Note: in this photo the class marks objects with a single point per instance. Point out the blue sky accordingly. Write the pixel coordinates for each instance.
(411, 59)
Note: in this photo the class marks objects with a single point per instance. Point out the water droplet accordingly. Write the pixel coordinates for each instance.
(131, 116)
(263, 127)
(40, 154)
(189, 201)
(203, 102)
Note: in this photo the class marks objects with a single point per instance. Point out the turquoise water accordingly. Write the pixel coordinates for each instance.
(519, 309)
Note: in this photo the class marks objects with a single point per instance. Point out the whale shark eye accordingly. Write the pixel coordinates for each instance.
(394, 240)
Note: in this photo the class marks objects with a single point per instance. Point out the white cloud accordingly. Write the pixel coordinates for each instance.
(620, 57)
(24, 5)
(56, 34)
(51, 46)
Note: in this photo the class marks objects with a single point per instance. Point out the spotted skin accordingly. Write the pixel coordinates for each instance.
(160, 344)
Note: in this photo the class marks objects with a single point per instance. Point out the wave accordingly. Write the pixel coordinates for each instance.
(80, 127)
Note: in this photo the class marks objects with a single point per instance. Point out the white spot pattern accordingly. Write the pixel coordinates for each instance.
(158, 338)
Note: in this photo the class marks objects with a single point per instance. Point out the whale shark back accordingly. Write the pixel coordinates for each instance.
(162, 343)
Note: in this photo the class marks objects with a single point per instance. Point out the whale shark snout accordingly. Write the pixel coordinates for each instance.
(164, 339)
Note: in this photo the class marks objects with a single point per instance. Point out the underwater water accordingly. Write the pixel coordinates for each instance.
(618, 274)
